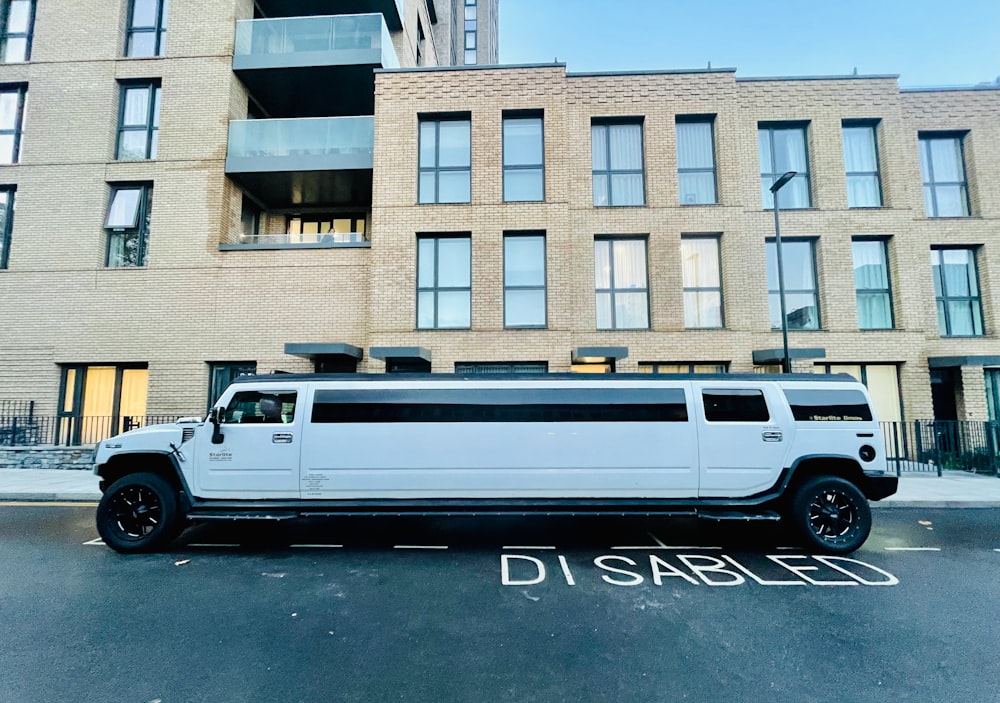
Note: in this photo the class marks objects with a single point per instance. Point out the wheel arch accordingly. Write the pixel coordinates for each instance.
(158, 463)
(810, 466)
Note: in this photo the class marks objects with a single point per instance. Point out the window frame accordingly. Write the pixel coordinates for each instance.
(21, 90)
(698, 119)
(143, 217)
(771, 128)
(544, 287)
(924, 139)
(159, 29)
(945, 298)
(152, 126)
(6, 35)
(887, 291)
(812, 241)
(706, 393)
(873, 126)
(700, 289)
(436, 289)
(318, 216)
(515, 116)
(606, 124)
(437, 169)
(611, 238)
(6, 232)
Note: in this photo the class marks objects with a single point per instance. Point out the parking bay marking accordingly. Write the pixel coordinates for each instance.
(659, 545)
(419, 546)
(913, 549)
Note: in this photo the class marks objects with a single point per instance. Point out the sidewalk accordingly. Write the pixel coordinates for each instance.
(953, 490)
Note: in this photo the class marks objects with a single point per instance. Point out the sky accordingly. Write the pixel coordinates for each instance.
(925, 42)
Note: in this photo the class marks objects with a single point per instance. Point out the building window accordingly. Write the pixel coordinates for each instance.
(147, 28)
(444, 283)
(871, 284)
(956, 289)
(138, 121)
(801, 295)
(621, 284)
(782, 148)
(993, 394)
(700, 272)
(684, 367)
(942, 164)
(128, 224)
(864, 185)
(249, 218)
(11, 122)
(524, 280)
(471, 19)
(6, 222)
(223, 373)
(445, 161)
(882, 381)
(97, 402)
(619, 176)
(326, 228)
(696, 182)
(501, 367)
(17, 23)
(421, 37)
(523, 160)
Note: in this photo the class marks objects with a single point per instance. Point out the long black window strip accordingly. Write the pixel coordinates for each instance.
(7, 36)
(501, 405)
(815, 405)
(6, 226)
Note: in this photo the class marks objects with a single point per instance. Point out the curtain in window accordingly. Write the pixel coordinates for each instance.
(136, 107)
(630, 264)
(626, 147)
(694, 145)
(958, 272)
(859, 149)
(700, 263)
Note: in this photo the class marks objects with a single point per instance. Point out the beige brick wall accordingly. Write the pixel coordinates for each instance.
(195, 304)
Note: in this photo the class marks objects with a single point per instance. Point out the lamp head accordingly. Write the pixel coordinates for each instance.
(785, 177)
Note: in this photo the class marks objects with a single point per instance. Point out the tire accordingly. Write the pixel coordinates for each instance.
(831, 514)
(139, 513)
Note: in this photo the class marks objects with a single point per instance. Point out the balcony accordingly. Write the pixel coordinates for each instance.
(284, 61)
(392, 10)
(305, 161)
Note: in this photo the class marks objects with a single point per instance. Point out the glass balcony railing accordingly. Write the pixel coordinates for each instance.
(301, 144)
(334, 40)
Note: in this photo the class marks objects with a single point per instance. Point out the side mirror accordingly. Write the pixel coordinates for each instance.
(216, 416)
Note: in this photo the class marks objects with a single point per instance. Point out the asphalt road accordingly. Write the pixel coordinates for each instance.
(461, 610)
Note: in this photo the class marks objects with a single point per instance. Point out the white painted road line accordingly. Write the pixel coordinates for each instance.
(528, 548)
(913, 549)
(996, 550)
(419, 546)
(95, 542)
(654, 547)
(316, 546)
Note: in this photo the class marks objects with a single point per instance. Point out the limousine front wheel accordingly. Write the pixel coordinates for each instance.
(831, 514)
(138, 513)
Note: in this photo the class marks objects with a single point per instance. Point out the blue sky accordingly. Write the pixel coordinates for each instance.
(925, 42)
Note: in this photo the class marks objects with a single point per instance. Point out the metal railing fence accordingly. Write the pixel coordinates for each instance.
(29, 429)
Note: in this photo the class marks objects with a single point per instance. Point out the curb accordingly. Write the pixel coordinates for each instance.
(51, 497)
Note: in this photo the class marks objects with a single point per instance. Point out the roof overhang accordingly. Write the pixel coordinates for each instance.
(598, 355)
(400, 353)
(321, 351)
(777, 356)
(948, 362)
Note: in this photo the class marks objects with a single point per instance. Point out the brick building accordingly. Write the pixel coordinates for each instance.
(195, 191)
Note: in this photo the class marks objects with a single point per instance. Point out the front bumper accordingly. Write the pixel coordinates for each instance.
(881, 486)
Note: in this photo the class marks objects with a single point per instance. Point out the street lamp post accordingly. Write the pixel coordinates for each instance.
(786, 363)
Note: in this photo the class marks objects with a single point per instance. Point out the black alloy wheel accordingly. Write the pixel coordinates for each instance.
(831, 514)
(138, 513)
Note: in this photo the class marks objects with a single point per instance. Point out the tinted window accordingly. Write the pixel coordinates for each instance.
(735, 406)
(828, 405)
(249, 407)
(501, 405)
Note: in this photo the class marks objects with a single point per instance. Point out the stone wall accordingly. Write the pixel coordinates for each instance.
(79, 458)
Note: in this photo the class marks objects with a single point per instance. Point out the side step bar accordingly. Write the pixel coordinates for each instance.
(715, 515)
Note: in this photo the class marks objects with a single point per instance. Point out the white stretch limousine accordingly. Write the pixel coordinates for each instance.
(800, 447)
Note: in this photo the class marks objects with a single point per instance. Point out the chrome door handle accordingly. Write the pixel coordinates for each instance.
(771, 436)
(281, 438)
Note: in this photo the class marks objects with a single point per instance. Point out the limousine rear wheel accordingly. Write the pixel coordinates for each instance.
(831, 514)
(138, 513)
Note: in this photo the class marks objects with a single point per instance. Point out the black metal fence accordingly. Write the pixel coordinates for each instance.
(21, 427)
(935, 446)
